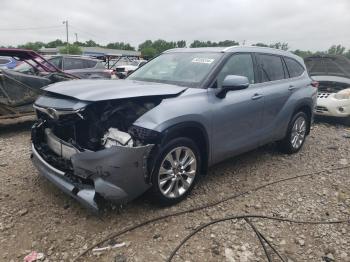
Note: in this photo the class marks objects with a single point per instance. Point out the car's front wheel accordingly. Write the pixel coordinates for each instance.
(296, 134)
(176, 171)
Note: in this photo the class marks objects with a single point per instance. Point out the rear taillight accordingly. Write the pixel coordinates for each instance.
(111, 73)
(315, 84)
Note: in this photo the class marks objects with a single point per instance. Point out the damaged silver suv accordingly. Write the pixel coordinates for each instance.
(162, 127)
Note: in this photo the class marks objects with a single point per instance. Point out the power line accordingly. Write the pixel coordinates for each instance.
(29, 28)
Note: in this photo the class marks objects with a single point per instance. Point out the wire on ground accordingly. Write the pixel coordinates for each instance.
(208, 205)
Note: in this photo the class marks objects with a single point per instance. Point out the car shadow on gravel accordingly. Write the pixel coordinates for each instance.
(213, 178)
(335, 121)
(17, 127)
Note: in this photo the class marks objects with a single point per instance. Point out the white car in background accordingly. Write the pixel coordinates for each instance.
(123, 71)
(333, 74)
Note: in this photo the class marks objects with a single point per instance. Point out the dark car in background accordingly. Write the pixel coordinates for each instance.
(80, 66)
(83, 67)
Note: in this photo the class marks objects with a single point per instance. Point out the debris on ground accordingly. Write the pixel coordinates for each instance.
(100, 249)
(61, 228)
(34, 256)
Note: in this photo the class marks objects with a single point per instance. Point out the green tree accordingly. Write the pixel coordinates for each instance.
(261, 45)
(120, 46)
(181, 44)
(90, 43)
(149, 52)
(336, 50)
(197, 43)
(71, 49)
(151, 48)
(32, 45)
(145, 44)
(279, 45)
(78, 43)
(54, 43)
(302, 53)
(347, 54)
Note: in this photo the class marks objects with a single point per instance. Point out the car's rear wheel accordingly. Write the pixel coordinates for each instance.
(176, 171)
(296, 134)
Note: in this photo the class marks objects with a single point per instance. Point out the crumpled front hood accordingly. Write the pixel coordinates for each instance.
(99, 90)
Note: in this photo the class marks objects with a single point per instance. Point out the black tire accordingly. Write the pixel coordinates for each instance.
(158, 196)
(286, 145)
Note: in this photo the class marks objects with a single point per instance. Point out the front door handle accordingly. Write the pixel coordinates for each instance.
(257, 96)
(291, 87)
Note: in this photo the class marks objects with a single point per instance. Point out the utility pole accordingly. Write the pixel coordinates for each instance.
(66, 23)
(76, 37)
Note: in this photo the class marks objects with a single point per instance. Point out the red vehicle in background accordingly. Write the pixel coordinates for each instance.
(18, 90)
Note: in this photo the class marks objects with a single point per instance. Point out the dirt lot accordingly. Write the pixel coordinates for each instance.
(34, 215)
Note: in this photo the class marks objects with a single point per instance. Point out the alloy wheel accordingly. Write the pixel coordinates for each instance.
(177, 172)
(298, 132)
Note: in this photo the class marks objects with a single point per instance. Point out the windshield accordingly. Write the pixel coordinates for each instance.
(30, 67)
(187, 69)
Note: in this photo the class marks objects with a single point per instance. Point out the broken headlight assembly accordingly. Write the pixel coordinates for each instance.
(144, 135)
(343, 94)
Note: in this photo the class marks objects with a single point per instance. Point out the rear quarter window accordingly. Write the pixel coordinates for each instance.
(270, 67)
(295, 69)
(99, 65)
(89, 63)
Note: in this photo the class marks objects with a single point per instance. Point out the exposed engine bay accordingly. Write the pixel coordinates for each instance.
(331, 87)
(102, 125)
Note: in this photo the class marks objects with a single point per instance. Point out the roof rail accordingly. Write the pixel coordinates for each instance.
(229, 47)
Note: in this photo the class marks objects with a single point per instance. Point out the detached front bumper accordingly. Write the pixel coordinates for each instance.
(117, 173)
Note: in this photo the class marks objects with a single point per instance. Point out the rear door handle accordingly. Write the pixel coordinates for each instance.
(291, 87)
(257, 96)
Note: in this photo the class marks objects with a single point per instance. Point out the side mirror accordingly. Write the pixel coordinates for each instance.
(232, 83)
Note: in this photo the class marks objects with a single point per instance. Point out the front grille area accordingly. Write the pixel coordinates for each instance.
(321, 109)
(323, 95)
(120, 69)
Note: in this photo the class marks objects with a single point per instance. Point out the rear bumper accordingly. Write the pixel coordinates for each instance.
(117, 174)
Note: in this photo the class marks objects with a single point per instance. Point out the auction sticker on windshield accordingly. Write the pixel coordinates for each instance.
(202, 60)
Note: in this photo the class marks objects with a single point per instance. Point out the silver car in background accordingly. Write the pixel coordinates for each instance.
(171, 119)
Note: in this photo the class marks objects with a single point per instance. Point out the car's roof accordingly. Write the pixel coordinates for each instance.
(75, 56)
(234, 49)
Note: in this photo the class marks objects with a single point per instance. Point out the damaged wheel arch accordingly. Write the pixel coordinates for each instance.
(189, 129)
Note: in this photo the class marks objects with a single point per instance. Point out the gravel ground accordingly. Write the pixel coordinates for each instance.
(34, 215)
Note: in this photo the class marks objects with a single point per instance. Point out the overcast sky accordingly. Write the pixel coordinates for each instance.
(304, 24)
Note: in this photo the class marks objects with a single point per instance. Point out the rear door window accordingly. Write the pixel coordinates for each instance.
(294, 68)
(270, 67)
(73, 63)
(57, 61)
